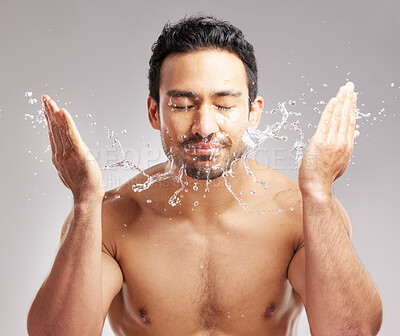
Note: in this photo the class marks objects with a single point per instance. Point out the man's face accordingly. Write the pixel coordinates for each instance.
(203, 111)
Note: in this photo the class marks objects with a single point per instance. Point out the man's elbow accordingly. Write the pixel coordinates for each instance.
(40, 326)
(377, 320)
(372, 323)
(31, 324)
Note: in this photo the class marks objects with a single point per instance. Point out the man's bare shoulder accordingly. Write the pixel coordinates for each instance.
(281, 188)
(284, 196)
(123, 207)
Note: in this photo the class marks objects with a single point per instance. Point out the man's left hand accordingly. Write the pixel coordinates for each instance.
(328, 153)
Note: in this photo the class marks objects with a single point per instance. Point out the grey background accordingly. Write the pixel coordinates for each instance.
(95, 54)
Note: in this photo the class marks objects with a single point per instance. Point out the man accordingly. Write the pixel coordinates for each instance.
(205, 266)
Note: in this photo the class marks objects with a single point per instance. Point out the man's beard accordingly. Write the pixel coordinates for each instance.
(203, 173)
(212, 169)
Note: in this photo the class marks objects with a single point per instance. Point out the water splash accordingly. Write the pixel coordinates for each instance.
(252, 138)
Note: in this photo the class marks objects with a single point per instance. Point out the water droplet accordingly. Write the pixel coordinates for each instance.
(89, 115)
(28, 94)
(117, 196)
(93, 123)
(252, 192)
(309, 125)
(196, 203)
(392, 85)
(149, 201)
(125, 225)
(201, 266)
(292, 102)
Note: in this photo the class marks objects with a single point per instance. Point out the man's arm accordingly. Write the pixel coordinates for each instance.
(339, 295)
(75, 297)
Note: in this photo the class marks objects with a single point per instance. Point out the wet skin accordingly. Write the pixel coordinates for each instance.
(216, 270)
(211, 269)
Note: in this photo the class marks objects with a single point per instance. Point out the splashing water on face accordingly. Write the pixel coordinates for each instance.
(252, 139)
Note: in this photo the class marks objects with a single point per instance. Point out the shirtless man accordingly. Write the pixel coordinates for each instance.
(211, 269)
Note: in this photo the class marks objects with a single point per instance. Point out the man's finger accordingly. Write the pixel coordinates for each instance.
(347, 112)
(51, 137)
(352, 133)
(72, 130)
(323, 125)
(54, 127)
(62, 130)
(53, 104)
(337, 114)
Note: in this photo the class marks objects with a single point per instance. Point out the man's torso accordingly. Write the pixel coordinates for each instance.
(215, 273)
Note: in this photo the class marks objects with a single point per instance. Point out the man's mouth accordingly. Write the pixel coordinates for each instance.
(203, 148)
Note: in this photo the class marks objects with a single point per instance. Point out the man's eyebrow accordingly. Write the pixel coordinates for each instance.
(189, 94)
(232, 92)
(181, 93)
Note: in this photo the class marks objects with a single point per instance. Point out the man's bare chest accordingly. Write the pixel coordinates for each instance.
(230, 274)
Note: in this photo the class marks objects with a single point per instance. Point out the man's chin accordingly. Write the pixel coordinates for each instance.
(203, 173)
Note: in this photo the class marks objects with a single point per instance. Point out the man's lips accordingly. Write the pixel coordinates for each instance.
(203, 148)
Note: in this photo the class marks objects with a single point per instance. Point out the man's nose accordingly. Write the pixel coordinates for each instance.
(205, 122)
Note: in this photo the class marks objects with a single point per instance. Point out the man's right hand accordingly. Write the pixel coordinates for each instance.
(75, 164)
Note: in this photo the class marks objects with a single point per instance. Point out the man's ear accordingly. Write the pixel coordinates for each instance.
(153, 114)
(256, 110)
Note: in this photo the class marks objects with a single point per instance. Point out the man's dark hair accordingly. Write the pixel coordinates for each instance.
(201, 33)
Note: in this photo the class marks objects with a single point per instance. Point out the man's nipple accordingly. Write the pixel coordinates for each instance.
(144, 316)
(269, 312)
